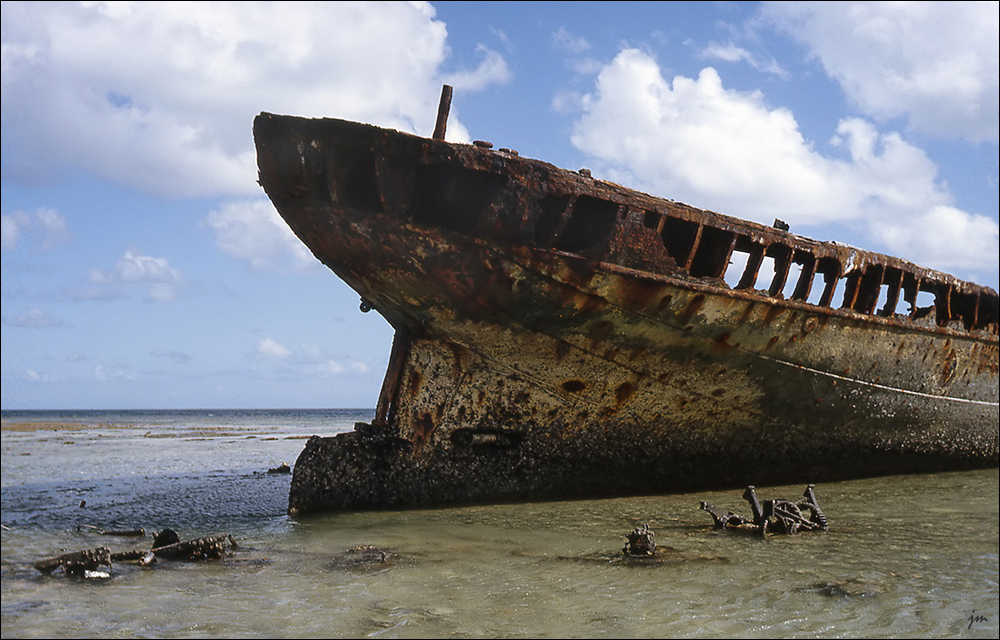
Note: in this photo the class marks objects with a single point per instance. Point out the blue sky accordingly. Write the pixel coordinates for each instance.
(143, 267)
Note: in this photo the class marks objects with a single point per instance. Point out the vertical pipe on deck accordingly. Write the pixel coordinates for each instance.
(444, 107)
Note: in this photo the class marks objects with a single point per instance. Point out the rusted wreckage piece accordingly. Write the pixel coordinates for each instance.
(725, 519)
(166, 544)
(364, 558)
(165, 537)
(76, 563)
(142, 558)
(641, 542)
(773, 516)
(213, 546)
(559, 336)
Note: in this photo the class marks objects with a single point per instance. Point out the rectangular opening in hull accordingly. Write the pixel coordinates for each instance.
(590, 224)
(888, 296)
(738, 263)
(782, 261)
(964, 306)
(924, 303)
(806, 269)
(988, 313)
(868, 289)
(712, 254)
(550, 218)
(765, 275)
(795, 273)
(350, 175)
(679, 238)
(453, 197)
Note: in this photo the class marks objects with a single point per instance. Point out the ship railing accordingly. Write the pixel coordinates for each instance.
(771, 262)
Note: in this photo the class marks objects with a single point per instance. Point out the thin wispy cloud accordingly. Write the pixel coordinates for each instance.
(34, 318)
(733, 53)
(566, 41)
(306, 361)
(43, 230)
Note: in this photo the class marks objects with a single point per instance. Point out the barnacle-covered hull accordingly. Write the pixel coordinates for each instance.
(559, 336)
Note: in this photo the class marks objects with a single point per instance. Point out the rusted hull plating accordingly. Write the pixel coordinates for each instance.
(558, 336)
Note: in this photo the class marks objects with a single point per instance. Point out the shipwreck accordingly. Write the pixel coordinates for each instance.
(559, 336)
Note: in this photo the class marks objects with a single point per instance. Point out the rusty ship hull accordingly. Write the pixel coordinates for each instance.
(559, 336)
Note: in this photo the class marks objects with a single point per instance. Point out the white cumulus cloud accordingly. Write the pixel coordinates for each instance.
(251, 230)
(162, 95)
(272, 348)
(935, 63)
(696, 141)
(162, 281)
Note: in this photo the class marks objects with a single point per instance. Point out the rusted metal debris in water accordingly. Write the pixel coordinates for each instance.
(641, 542)
(166, 544)
(773, 516)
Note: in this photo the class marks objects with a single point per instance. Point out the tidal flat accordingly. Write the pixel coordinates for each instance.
(906, 556)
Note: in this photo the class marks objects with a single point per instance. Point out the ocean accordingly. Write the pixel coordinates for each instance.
(905, 556)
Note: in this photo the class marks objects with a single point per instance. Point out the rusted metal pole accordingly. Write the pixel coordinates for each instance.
(394, 373)
(213, 546)
(444, 107)
(76, 562)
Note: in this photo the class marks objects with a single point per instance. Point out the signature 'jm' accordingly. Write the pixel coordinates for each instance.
(974, 618)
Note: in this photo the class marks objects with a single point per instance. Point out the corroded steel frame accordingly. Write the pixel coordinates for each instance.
(561, 336)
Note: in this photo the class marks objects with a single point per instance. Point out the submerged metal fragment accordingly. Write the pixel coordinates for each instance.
(773, 516)
(641, 542)
(77, 562)
(166, 544)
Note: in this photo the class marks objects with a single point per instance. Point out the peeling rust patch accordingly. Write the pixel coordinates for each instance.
(600, 331)
(664, 304)
(948, 366)
(415, 379)
(624, 391)
(773, 313)
(694, 305)
(810, 324)
(424, 427)
(722, 341)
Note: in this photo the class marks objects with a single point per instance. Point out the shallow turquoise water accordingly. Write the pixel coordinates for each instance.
(906, 556)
